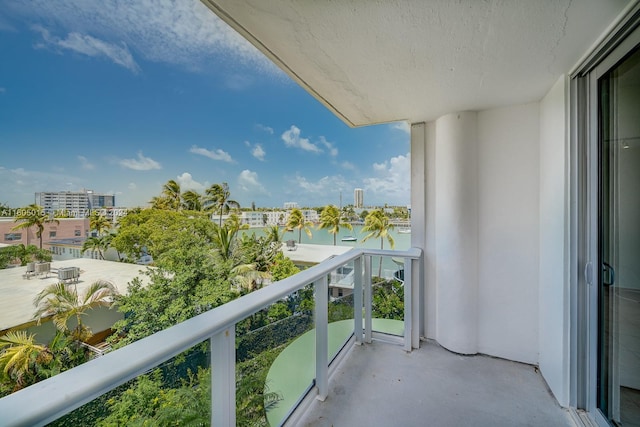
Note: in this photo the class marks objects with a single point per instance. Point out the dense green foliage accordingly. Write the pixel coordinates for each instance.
(158, 231)
(22, 254)
(24, 362)
(388, 300)
(188, 282)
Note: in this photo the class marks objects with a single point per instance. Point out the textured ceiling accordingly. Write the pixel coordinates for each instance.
(377, 61)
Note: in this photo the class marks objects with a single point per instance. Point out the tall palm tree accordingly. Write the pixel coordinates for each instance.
(331, 218)
(100, 244)
(235, 224)
(99, 223)
(218, 197)
(33, 216)
(61, 302)
(297, 220)
(377, 225)
(273, 234)
(171, 190)
(160, 202)
(222, 240)
(192, 200)
(18, 353)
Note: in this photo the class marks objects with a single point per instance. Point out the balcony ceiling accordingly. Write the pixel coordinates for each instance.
(377, 61)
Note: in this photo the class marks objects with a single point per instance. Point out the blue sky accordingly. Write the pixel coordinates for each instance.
(120, 97)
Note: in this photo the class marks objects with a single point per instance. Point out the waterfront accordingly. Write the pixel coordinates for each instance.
(322, 237)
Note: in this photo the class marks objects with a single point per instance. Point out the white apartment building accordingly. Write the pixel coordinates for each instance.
(75, 203)
(358, 198)
(253, 219)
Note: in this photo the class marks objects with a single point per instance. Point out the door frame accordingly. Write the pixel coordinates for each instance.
(584, 181)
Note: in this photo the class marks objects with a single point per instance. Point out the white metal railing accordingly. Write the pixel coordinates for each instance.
(50, 399)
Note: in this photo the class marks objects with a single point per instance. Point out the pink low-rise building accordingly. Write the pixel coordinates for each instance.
(65, 228)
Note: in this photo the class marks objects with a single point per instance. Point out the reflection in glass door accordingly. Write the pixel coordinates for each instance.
(618, 370)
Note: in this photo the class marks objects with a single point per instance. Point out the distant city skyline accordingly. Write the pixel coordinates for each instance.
(88, 100)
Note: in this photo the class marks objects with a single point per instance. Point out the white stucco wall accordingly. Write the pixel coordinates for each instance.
(553, 288)
(456, 224)
(508, 232)
(482, 230)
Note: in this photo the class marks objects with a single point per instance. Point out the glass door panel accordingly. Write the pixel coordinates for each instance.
(618, 367)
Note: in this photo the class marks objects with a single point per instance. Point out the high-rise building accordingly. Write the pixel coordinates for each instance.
(75, 203)
(358, 198)
(290, 205)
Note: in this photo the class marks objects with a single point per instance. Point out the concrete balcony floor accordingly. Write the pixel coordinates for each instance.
(379, 384)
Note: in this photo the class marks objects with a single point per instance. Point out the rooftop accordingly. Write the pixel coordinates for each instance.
(308, 254)
(18, 292)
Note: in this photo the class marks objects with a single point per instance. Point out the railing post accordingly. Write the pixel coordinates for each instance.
(418, 299)
(322, 337)
(408, 309)
(357, 299)
(367, 299)
(223, 378)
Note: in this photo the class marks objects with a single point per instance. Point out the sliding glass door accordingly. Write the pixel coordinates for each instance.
(617, 288)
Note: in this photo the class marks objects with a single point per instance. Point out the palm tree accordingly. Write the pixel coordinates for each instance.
(61, 301)
(171, 190)
(223, 239)
(331, 218)
(247, 277)
(296, 220)
(377, 225)
(100, 244)
(192, 200)
(33, 216)
(218, 198)
(99, 223)
(18, 353)
(273, 234)
(235, 224)
(160, 202)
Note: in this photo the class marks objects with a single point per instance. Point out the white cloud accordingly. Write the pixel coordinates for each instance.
(392, 183)
(333, 152)
(90, 46)
(216, 154)
(142, 163)
(187, 182)
(348, 166)
(248, 181)
(324, 186)
(258, 152)
(132, 186)
(85, 164)
(264, 128)
(380, 167)
(401, 126)
(292, 138)
(179, 32)
(3, 90)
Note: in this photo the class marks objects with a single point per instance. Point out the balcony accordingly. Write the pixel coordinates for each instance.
(357, 370)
